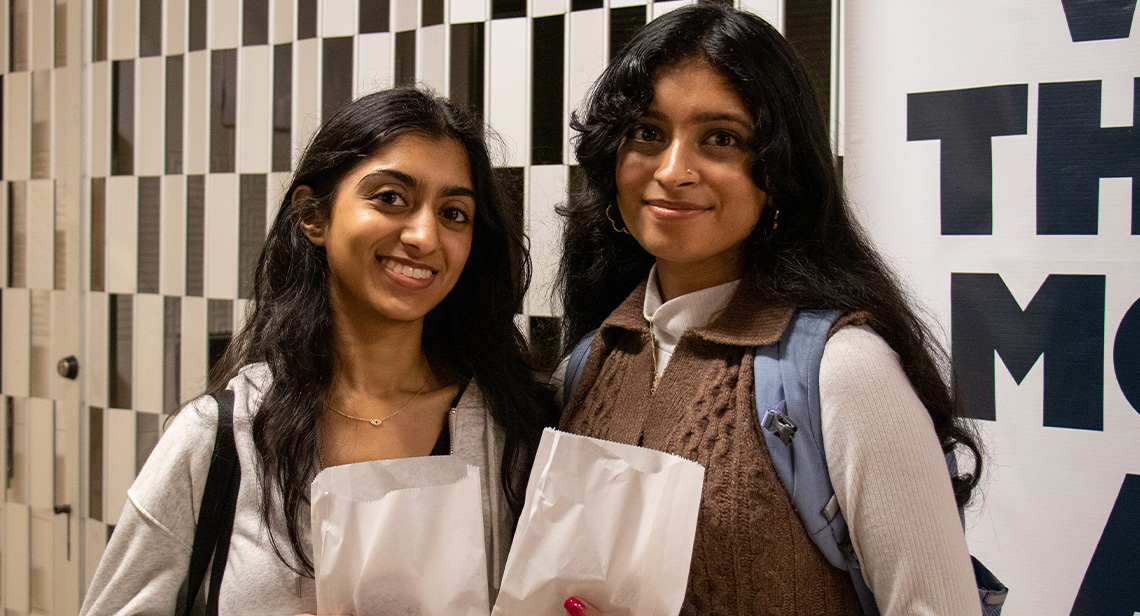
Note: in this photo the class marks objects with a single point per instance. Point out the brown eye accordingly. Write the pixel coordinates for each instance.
(644, 133)
(390, 197)
(455, 214)
(724, 140)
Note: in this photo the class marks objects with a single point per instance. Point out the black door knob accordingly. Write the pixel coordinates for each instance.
(68, 367)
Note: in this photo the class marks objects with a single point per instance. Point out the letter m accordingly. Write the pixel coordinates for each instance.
(1064, 323)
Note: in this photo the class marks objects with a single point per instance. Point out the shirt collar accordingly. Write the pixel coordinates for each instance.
(670, 319)
(744, 321)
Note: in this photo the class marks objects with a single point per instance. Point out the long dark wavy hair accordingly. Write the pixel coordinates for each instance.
(817, 258)
(471, 334)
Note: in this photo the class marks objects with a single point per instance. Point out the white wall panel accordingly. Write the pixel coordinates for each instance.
(95, 363)
(41, 455)
(282, 14)
(306, 91)
(4, 236)
(255, 92)
(405, 15)
(194, 349)
(174, 13)
(41, 365)
(771, 10)
(150, 116)
(587, 57)
(16, 347)
(196, 139)
(373, 63)
(121, 245)
(100, 130)
(466, 11)
(95, 542)
(147, 353)
(17, 557)
(17, 126)
(118, 461)
(124, 29)
(41, 234)
(338, 17)
(509, 104)
(542, 8)
(221, 245)
(42, 37)
(431, 57)
(225, 24)
(42, 573)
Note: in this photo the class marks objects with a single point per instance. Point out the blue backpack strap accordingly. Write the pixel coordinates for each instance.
(787, 401)
(575, 365)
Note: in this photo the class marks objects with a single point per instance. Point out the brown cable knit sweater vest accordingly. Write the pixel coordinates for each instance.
(751, 554)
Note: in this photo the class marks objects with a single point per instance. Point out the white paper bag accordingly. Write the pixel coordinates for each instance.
(400, 537)
(609, 523)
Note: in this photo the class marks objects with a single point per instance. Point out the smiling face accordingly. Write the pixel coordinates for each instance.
(399, 230)
(684, 179)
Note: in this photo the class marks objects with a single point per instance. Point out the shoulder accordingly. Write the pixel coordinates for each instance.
(856, 351)
(865, 394)
(176, 469)
(249, 387)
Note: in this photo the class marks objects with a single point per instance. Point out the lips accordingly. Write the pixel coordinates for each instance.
(674, 205)
(404, 269)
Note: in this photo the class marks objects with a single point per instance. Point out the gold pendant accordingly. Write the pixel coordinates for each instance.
(376, 422)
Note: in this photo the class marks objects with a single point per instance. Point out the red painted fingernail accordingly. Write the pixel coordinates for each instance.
(574, 607)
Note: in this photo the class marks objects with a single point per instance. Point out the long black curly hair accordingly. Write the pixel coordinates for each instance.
(470, 334)
(817, 258)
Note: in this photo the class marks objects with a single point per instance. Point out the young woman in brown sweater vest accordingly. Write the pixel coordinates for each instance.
(710, 210)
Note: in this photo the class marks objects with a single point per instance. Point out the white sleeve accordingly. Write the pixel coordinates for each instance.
(144, 567)
(891, 482)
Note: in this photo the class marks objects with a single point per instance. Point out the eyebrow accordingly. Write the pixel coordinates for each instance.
(706, 116)
(412, 182)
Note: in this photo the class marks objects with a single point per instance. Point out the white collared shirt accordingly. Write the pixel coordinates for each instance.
(668, 320)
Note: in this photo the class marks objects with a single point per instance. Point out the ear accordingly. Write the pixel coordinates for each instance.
(314, 225)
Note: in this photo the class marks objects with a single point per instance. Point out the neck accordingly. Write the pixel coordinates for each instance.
(378, 360)
(677, 279)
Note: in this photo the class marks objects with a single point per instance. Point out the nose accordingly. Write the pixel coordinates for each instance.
(675, 166)
(420, 233)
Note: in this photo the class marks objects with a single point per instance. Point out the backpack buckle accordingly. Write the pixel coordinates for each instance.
(778, 423)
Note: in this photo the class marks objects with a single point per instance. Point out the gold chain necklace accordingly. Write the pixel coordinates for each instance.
(380, 421)
(653, 350)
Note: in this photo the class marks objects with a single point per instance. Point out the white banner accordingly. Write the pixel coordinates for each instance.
(992, 149)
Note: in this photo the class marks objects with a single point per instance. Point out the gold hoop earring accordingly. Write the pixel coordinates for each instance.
(776, 219)
(613, 223)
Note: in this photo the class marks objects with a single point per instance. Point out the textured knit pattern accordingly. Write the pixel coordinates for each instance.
(751, 554)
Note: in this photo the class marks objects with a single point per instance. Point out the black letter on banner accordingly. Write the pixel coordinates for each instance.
(1126, 356)
(1064, 321)
(965, 121)
(1109, 587)
(1074, 152)
(1097, 20)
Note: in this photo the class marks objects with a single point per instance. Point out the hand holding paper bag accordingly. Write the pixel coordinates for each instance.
(400, 537)
(610, 523)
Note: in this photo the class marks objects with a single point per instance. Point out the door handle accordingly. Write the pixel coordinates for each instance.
(68, 367)
(65, 509)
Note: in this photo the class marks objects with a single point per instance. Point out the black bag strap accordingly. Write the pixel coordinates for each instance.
(216, 513)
